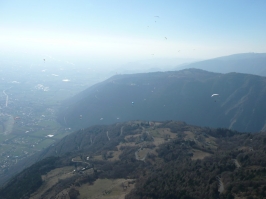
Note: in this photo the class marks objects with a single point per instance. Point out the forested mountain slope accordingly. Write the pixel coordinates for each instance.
(178, 95)
(141, 159)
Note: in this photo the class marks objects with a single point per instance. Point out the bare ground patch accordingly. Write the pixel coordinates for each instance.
(97, 157)
(158, 141)
(126, 144)
(128, 136)
(115, 155)
(197, 154)
(189, 135)
(167, 131)
(142, 153)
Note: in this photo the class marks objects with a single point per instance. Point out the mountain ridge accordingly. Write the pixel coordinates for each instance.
(177, 95)
(248, 63)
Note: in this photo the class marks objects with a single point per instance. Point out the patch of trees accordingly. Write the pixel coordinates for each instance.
(73, 193)
(183, 178)
(118, 169)
(62, 184)
(223, 132)
(176, 179)
(174, 126)
(128, 153)
(127, 167)
(141, 138)
(173, 150)
(245, 184)
(131, 127)
(180, 177)
(86, 179)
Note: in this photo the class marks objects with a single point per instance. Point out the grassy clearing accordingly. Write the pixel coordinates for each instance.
(98, 157)
(77, 159)
(155, 133)
(158, 141)
(60, 135)
(44, 143)
(143, 152)
(105, 188)
(189, 135)
(51, 178)
(19, 151)
(129, 136)
(197, 154)
(5, 137)
(116, 155)
(18, 129)
(49, 124)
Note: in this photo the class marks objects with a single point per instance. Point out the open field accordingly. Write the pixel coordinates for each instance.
(105, 188)
(197, 154)
(51, 178)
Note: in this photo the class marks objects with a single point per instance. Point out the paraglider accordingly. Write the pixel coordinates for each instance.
(215, 96)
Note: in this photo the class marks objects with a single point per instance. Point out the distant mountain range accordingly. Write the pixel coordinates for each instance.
(178, 95)
(249, 63)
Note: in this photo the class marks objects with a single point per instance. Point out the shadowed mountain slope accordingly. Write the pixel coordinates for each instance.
(178, 95)
(249, 63)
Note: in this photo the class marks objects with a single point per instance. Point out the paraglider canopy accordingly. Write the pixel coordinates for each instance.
(213, 95)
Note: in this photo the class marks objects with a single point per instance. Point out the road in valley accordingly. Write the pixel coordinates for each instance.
(4, 92)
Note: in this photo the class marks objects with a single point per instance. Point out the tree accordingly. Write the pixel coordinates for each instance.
(73, 193)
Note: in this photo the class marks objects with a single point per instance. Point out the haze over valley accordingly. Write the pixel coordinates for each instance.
(30, 95)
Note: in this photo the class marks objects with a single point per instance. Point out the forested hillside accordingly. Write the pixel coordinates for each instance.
(141, 159)
(178, 95)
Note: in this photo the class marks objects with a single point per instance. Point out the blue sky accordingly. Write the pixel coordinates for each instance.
(116, 31)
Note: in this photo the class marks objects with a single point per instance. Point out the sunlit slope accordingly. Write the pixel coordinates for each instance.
(179, 95)
(249, 63)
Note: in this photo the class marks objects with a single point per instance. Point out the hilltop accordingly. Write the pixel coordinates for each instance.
(249, 63)
(176, 95)
(141, 159)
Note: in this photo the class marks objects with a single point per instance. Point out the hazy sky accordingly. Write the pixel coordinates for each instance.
(120, 31)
